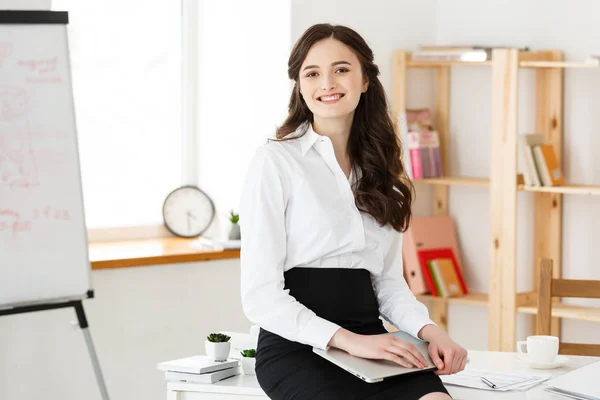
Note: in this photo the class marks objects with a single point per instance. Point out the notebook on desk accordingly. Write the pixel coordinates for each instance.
(579, 384)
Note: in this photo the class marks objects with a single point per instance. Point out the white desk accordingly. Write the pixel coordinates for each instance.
(245, 387)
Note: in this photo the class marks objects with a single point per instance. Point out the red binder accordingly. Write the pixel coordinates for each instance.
(427, 255)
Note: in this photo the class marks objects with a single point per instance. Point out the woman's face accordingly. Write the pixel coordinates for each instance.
(331, 79)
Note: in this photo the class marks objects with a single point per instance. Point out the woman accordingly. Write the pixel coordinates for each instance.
(322, 211)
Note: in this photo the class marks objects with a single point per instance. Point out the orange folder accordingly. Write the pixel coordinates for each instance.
(426, 233)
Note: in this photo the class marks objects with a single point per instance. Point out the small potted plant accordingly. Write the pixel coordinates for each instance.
(217, 346)
(248, 361)
(234, 232)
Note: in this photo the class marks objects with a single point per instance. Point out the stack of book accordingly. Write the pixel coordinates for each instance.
(198, 369)
(422, 145)
(455, 53)
(540, 164)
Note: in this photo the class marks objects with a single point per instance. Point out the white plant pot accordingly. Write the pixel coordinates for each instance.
(248, 364)
(234, 232)
(217, 351)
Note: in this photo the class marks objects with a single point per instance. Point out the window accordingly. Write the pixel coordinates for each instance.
(126, 64)
(168, 93)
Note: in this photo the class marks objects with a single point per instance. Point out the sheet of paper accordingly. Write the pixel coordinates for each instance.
(504, 381)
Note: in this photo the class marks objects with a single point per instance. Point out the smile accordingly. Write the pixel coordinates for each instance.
(331, 98)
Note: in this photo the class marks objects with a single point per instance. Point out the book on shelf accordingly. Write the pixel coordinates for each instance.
(448, 279)
(414, 153)
(196, 365)
(403, 130)
(209, 377)
(430, 147)
(540, 163)
(530, 174)
(422, 145)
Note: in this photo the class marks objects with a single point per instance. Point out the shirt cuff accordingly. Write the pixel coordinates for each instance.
(412, 323)
(318, 332)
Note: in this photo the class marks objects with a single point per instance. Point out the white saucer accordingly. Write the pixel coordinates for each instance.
(560, 361)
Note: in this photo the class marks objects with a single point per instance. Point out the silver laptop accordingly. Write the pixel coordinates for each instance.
(376, 370)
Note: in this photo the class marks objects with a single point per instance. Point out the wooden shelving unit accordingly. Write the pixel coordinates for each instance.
(502, 300)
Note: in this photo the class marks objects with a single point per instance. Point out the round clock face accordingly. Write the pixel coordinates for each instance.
(188, 211)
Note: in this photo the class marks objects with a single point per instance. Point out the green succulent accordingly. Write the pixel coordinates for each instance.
(218, 338)
(248, 353)
(233, 217)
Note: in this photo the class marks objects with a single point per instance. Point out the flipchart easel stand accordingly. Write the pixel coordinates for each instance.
(83, 324)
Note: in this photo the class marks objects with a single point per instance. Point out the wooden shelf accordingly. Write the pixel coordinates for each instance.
(455, 180)
(569, 311)
(592, 190)
(474, 299)
(556, 64)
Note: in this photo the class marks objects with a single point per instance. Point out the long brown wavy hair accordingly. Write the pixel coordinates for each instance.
(384, 191)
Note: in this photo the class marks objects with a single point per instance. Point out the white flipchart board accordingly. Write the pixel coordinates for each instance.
(43, 240)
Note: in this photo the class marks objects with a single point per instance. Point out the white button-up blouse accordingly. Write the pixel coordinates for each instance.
(297, 209)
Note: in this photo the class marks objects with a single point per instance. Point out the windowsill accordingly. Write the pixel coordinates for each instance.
(159, 251)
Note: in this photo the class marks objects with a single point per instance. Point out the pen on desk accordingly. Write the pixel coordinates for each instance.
(489, 383)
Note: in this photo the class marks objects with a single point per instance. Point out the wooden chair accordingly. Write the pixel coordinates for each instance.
(551, 287)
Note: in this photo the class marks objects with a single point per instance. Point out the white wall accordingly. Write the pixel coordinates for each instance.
(139, 317)
(25, 4)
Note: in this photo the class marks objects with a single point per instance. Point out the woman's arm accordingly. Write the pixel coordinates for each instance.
(397, 304)
(263, 251)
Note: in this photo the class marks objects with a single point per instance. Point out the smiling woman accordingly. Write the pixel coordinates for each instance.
(322, 212)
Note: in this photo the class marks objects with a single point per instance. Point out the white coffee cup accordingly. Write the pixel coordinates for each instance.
(540, 348)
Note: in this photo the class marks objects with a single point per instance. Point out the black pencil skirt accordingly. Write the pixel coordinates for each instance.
(289, 370)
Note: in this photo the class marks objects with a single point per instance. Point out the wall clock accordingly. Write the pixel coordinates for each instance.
(188, 211)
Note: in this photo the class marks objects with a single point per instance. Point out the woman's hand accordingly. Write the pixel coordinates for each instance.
(448, 356)
(384, 347)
